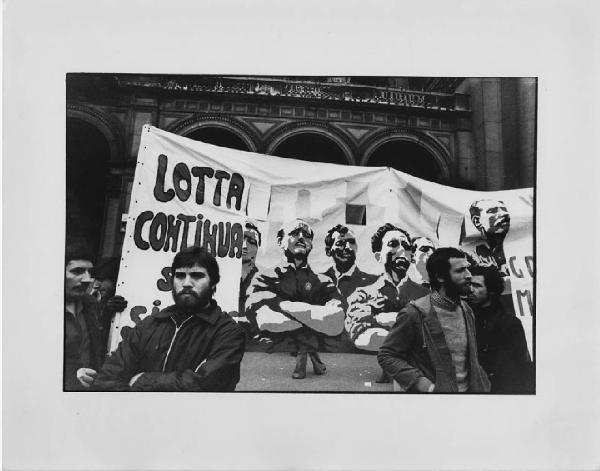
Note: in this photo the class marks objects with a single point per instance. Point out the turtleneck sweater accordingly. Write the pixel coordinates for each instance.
(451, 317)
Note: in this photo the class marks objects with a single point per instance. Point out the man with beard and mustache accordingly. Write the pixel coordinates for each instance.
(492, 220)
(340, 245)
(432, 346)
(190, 346)
(294, 306)
(372, 310)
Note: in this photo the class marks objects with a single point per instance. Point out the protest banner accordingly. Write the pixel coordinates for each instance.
(187, 192)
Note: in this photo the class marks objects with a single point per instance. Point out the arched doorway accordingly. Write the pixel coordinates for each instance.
(88, 153)
(312, 147)
(408, 157)
(219, 137)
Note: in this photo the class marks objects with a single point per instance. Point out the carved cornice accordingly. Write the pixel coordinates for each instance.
(305, 89)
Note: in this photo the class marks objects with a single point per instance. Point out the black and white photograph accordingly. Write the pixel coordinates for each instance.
(300, 236)
(328, 223)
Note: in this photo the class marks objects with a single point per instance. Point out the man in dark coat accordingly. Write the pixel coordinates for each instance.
(295, 306)
(372, 309)
(501, 340)
(432, 346)
(340, 245)
(190, 346)
(83, 347)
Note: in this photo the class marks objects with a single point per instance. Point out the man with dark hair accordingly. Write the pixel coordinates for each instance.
(501, 343)
(190, 346)
(83, 348)
(103, 289)
(492, 220)
(295, 306)
(340, 245)
(432, 346)
(252, 241)
(372, 310)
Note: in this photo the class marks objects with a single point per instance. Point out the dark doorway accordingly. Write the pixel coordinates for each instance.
(87, 156)
(312, 147)
(406, 157)
(219, 137)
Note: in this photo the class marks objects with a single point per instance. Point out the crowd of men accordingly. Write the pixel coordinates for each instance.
(431, 317)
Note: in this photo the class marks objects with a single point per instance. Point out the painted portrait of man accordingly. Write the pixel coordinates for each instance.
(492, 219)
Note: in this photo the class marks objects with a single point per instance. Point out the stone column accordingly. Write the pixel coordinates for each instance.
(526, 121)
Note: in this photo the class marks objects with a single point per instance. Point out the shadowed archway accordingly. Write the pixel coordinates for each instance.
(407, 157)
(219, 137)
(311, 147)
(88, 153)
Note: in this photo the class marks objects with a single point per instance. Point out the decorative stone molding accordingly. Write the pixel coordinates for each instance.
(432, 145)
(108, 125)
(316, 127)
(199, 120)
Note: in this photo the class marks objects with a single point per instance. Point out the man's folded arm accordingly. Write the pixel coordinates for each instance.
(121, 365)
(219, 372)
(327, 319)
(274, 321)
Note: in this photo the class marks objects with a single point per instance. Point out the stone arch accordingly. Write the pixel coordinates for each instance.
(308, 127)
(238, 128)
(108, 125)
(439, 153)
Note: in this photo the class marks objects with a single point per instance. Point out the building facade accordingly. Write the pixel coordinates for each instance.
(475, 133)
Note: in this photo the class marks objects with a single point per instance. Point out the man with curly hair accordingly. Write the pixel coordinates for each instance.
(372, 310)
(340, 245)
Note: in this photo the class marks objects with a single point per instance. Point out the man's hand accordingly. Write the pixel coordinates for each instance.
(423, 385)
(361, 312)
(116, 304)
(86, 376)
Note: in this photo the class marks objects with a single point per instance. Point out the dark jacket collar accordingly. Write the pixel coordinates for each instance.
(210, 314)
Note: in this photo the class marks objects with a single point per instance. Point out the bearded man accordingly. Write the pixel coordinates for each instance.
(432, 346)
(190, 346)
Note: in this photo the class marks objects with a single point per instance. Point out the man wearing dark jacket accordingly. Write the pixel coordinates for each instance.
(340, 245)
(294, 306)
(190, 346)
(432, 346)
(502, 347)
(83, 348)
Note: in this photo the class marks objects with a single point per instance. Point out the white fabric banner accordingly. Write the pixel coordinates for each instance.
(187, 192)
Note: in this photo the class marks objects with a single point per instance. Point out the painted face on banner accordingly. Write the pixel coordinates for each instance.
(494, 217)
(297, 239)
(459, 277)
(396, 252)
(250, 247)
(343, 249)
(479, 293)
(78, 277)
(423, 248)
(192, 289)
